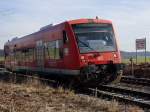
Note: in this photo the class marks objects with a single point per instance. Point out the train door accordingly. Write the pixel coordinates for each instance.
(40, 54)
(66, 53)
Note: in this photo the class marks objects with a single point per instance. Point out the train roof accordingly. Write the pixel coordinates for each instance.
(43, 29)
(80, 21)
(50, 26)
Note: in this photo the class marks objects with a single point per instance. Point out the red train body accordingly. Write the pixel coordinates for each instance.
(83, 48)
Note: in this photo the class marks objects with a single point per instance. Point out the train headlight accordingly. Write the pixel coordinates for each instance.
(82, 58)
(115, 55)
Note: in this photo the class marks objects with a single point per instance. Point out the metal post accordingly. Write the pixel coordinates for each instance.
(136, 56)
(145, 49)
(136, 50)
(132, 66)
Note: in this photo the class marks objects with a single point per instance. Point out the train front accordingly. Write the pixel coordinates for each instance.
(100, 59)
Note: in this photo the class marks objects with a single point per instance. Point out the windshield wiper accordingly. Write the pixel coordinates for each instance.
(86, 45)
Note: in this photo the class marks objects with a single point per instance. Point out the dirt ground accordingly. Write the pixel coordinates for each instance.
(141, 70)
(36, 97)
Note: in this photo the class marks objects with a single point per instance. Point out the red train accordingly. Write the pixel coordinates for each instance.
(85, 49)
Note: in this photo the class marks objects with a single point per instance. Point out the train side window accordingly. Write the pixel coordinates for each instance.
(25, 55)
(50, 50)
(65, 37)
(16, 55)
(6, 51)
(53, 49)
(46, 51)
(30, 55)
(59, 50)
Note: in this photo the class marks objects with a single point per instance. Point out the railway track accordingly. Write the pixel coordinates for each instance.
(139, 98)
(138, 81)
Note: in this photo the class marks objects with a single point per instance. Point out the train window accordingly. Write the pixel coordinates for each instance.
(95, 37)
(25, 55)
(30, 55)
(65, 37)
(17, 57)
(46, 52)
(56, 52)
(52, 49)
(6, 50)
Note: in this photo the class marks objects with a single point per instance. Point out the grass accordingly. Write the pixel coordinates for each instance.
(139, 60)
(33, 96)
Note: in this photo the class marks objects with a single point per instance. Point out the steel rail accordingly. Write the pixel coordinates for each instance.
(138, 81)
(139, 98)
(125, 98)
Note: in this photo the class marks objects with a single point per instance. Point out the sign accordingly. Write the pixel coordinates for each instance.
(141, 44)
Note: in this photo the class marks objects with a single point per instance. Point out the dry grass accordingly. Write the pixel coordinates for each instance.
(135, 109)
(32, 96)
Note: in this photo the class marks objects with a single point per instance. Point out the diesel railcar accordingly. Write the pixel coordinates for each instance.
(85, 49)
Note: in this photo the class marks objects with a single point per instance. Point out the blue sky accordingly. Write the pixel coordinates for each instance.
(22, 17)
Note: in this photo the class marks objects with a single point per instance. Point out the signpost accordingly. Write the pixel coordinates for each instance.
(141, 45)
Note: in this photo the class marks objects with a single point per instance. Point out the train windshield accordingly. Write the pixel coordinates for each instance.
(95, 37)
